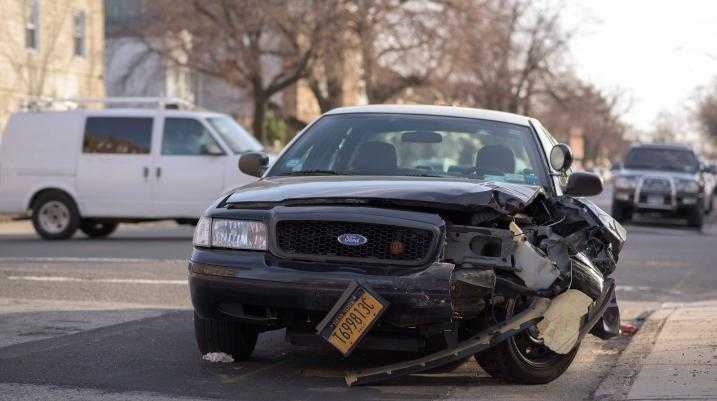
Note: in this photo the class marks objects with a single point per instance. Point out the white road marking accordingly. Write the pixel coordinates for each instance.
(86, 260)
(97, 280)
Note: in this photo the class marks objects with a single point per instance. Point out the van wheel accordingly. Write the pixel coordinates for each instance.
(235, 339)
(55, 216)
(97, 229)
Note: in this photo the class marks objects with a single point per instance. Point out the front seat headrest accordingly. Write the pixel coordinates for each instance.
(376, 156)
(495, 158)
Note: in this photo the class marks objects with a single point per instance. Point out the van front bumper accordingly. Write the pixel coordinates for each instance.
(221, 280)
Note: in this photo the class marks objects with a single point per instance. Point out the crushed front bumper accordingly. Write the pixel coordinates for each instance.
(222, 280)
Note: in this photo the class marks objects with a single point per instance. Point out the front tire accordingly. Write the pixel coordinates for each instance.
(55, 215)
(235, 339)
(97, 229)
(523, 359)
(696, 218)
(620, 212)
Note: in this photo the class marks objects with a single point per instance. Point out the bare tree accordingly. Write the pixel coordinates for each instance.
(706, 113)
(31, 66)
(506, 52)
(389, 45)
(261, 46)
(575, 105)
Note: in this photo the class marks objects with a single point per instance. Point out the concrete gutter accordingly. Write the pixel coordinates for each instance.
(672, 357)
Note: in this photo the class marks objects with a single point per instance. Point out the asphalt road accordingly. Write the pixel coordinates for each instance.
(110, 319)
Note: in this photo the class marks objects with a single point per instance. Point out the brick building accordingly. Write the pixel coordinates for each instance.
(50, 48)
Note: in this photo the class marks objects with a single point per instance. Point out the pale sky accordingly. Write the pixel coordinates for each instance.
(657, 51)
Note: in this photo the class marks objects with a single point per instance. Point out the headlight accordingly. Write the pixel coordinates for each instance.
(688, 186)
(203, 232)
(625, 183)
(235, 234)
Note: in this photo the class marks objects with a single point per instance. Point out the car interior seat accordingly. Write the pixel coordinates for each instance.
(495, 159)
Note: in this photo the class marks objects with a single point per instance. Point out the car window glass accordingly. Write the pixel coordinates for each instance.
(665, 159)
(118, 135)
(410, 145)
(234, 136)
(187, 137)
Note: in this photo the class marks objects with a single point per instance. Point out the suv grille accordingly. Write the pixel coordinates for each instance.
(386, 243)
(656, 185)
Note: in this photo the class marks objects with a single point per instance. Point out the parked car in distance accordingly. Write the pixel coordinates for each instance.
(459, 219)
(92, 169)
(666, 179)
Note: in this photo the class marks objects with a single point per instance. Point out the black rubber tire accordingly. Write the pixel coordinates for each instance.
(696, 218)
(235, 339)
(620, 212)
(68, 202)
(97, 229)
(503, 362)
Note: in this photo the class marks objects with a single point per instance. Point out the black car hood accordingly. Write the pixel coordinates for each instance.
(448, 193)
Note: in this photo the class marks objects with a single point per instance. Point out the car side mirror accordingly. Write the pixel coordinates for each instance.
(583, 184)
(254, 163)
(561, 157)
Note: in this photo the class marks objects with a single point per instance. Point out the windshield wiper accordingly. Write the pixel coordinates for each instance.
(315, 172)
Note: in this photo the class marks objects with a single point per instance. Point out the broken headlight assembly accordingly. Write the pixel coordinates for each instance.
(232, 234)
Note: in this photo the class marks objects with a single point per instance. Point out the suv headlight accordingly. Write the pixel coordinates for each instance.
(690, 186)
(234, 234)
(625, 182)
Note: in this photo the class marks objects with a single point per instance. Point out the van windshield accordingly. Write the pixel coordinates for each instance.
(238, 140)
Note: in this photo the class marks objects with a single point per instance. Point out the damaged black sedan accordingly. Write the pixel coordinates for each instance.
(446, 231)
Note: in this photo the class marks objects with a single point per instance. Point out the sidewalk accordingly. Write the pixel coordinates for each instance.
(673, 357)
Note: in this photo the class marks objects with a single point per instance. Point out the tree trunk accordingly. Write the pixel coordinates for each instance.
(257, 124)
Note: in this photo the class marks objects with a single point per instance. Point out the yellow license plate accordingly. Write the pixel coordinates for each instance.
(356, 319)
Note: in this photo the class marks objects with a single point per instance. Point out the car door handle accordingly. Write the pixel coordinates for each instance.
(145, 172)
(158, 173)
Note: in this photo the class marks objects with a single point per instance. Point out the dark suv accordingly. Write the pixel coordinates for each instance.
(414, 228)
(664, 179)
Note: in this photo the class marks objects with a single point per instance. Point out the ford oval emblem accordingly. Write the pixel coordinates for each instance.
(350, 239)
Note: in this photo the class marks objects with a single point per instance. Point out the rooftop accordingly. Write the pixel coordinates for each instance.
(450, 111)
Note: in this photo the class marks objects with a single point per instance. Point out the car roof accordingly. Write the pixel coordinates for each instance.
(672, 146)
(449, 111)
(127, 112)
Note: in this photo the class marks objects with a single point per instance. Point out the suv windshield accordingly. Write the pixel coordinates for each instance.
(238, 140)
(414, 145)
(665, 159)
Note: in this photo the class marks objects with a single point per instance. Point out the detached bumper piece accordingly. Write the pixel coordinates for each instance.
(481, 341)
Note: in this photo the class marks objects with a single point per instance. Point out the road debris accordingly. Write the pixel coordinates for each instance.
(218, 357)
(560, 327)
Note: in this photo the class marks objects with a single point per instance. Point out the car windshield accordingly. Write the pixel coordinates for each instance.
(414, 145)
(234, 135)
(664, 159)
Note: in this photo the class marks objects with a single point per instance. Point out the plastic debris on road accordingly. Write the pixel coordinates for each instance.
(560, 326)
(218, 357)
(628, 329)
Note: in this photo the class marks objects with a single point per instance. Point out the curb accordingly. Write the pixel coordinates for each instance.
(617, 384)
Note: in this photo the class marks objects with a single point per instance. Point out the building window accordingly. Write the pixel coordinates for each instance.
(78, 33)
(33, 24)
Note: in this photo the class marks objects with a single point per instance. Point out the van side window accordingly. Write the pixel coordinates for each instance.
(118, 135)
(188, 137)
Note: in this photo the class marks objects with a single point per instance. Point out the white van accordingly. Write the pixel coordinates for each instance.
(91, 169)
